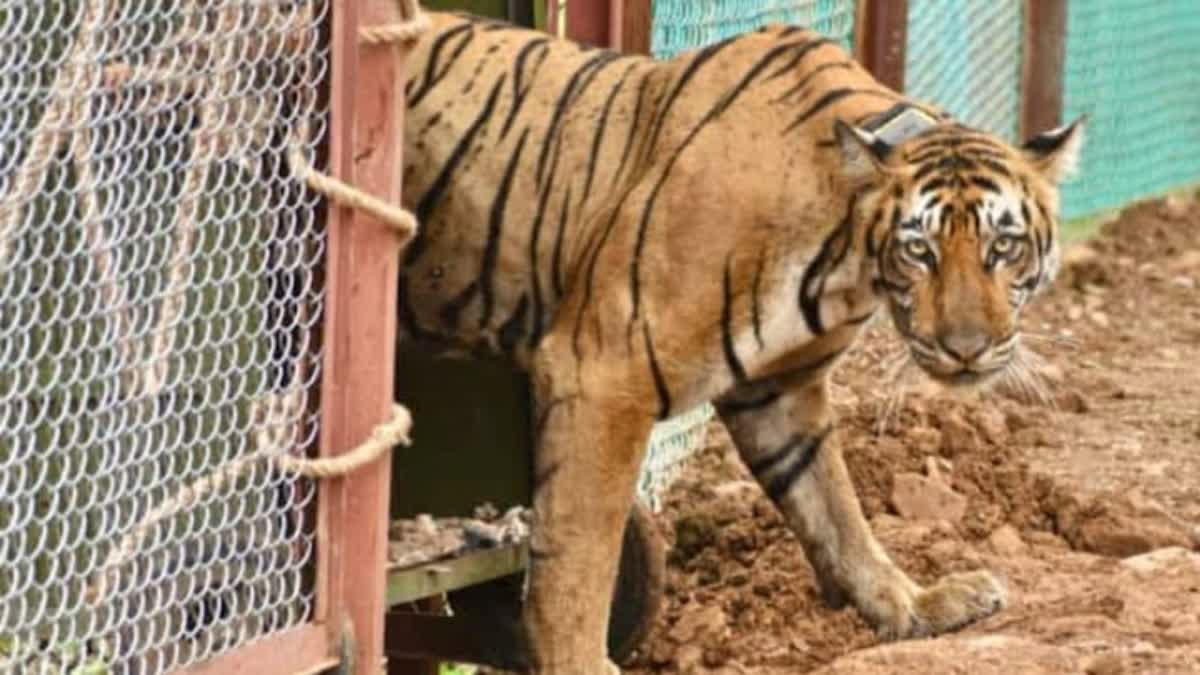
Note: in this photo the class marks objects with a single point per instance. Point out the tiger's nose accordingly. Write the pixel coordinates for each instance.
(966, 346)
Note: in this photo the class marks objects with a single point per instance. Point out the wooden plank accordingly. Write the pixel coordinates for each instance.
(360, 330)
(631, 23)
(303, 649)
(1044, 54)
(441, 576)
(880, 38)
(587, 21)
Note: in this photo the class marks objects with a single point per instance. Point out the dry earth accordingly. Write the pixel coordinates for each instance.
(1087, 505)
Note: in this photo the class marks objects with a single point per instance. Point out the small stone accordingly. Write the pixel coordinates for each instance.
(1184, 282)
(1185, 262)
(916, 497)
(1075, 313)
(1105, 664)
(688, 658)
(1142, 648)
(1163, 559)
(990, 422)
(1100, 319)
(1006, 541)
(1073, 401)
(1176, 206)
(699, 626)
(934, 471)
(1051, 372)
(958, 437)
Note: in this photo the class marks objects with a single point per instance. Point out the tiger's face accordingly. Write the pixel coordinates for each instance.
(965, 234)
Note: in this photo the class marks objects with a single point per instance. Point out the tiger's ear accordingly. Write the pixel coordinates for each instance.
(1055, 153)
(863, 153)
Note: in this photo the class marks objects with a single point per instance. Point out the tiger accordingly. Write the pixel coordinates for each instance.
(641, 236)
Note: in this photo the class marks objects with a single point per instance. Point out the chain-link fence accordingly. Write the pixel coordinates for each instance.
(680, 25)
(158, 290)
(965, 57)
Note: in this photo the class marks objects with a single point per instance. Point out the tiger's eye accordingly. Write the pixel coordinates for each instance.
(1005, 246)
(916, 248)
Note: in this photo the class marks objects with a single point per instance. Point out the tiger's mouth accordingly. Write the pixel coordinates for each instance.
(952, 372)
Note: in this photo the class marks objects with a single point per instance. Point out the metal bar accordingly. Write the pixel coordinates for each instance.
(441, 576)
(630, 27)
(1042, 65)
(880, 36)
(303, 649)
(360, 329)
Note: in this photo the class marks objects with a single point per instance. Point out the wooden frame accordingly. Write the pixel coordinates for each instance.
(880, 39)
(1043, 57)
(629, 26)
(367, 102)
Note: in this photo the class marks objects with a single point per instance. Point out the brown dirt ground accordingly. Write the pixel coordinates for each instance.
(1057, 494)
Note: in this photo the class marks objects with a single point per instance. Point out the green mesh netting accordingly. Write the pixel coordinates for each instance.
(680, 25)
(965, 57)
(1134, 67)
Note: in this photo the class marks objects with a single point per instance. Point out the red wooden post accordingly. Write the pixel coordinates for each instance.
(880, 37)
(587, 21)
(367, 128)
(1042, 68)
(629, 26)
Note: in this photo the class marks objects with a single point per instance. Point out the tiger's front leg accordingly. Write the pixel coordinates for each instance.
(589, 450)
(783, 430)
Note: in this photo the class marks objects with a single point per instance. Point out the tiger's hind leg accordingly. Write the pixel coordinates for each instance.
(783, 431)
(589, 449)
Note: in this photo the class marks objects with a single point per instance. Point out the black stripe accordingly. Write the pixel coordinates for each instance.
(985, 183)
(408, 317)
(1025, 214)
(521, 93)
(558, 245)
(633, 126)
(450, 312)
(437, 189)
(432, 75)
(660, 384)
(807, 446)
(993, 165)
(802, 49)
(761, 466)
(510, 331)
(734, 407)
(576, 84)
(534, 239)
(809, 77)
(722, 104)
(544, 475)
(487, 268)
(755, 312)
(689, 72)
(831, 97)
(592, 255)
(731, 357)
(598, 139)
(812, 284)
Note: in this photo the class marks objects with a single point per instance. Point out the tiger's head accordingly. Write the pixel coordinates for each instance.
(963, 227)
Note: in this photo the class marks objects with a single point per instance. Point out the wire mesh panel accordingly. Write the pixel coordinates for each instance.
(158, 287)
(680, 25)
(965, 57)
(1133, 67)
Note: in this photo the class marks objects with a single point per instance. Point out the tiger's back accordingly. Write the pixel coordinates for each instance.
(521, 149)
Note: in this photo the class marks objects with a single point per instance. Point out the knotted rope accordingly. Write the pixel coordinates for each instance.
(272, 436)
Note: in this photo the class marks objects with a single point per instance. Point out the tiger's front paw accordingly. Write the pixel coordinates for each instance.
(955, 601)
